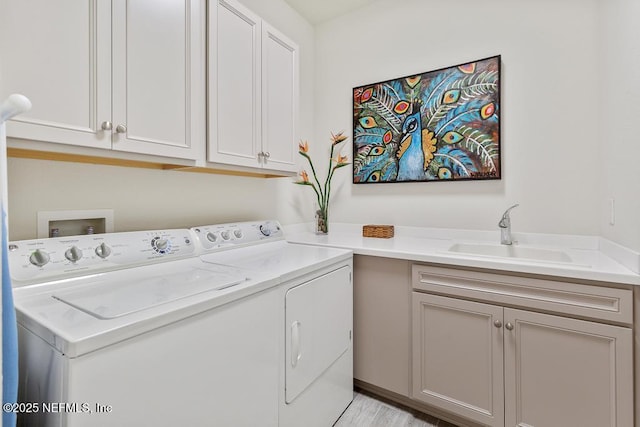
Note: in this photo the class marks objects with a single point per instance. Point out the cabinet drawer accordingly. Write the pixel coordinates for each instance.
(573, 299)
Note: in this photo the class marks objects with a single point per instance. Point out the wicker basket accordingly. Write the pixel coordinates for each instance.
(379, 231)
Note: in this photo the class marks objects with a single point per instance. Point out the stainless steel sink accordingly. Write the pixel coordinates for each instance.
(512, 252)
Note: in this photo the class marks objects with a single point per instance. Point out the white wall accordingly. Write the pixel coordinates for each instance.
(142, 199)
(549, 123)
(619, 140)
(146, 199)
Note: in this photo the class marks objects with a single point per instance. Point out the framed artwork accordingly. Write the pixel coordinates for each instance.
(441, 125)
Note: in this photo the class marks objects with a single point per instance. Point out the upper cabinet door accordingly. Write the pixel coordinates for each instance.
(234, 84)
(58, 54)
(279, 99)
(159, 77)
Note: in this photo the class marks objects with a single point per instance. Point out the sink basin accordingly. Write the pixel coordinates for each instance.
(513, 252)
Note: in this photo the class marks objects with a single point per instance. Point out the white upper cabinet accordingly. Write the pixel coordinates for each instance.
(58, 54)
(234, 84)
(253, 90)
(71, 52)
(279, 99)
(159, 96)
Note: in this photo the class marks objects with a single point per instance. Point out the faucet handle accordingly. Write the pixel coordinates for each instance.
(509, 209)
(506, 220)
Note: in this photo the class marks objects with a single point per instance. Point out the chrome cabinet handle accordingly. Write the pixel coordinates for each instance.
(266, 154)
(509, 326)
(121, 128)
(497, 324)
(107, 125)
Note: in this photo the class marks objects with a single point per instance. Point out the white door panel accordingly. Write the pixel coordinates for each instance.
(318, 328)
(58, 54)
(156, 61)
(279, 99)
(234, 91)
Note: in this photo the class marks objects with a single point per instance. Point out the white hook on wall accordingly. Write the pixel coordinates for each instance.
(13, 105)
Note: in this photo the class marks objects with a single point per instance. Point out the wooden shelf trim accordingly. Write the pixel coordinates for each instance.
(80, 158)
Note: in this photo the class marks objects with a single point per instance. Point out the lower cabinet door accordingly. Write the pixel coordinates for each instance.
(458, 357)
(566, 372)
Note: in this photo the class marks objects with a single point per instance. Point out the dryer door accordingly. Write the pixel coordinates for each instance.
(319, 317)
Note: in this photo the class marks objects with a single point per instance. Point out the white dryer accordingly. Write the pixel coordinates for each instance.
(133, 329)
(316, 315)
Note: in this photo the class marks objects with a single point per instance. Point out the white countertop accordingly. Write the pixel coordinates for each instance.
(592, 257)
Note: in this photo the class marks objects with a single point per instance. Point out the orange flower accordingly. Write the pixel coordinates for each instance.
(342, 159)
(338, 138)
(304, 176)
(303, 146)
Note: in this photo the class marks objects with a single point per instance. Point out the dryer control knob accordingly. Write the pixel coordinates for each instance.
(73, 254)
(265, 229)
(225, 235)
(212, 237)
(103, 250)
(237, 233)
(39, 258)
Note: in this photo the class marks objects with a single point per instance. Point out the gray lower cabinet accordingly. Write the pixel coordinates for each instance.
(498, 365)
(381, 323)
(458, 357)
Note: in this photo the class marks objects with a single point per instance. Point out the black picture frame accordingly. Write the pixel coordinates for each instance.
(440, 125)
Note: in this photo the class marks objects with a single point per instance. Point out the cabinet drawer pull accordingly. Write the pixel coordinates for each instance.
(106, 125)
(497, 324)
(509, 326)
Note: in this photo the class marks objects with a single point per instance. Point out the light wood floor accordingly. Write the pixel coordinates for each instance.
(368, 410)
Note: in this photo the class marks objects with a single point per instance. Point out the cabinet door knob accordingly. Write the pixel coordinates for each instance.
(509, 326)
(121, 128)
(266, 154)
(497, 324)
(106, 125)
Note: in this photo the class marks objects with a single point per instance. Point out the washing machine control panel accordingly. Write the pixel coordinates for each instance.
(222, 236)
(41, 259)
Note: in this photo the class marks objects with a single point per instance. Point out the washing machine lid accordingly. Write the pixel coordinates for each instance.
(79, 315)
(280, 259)
(105, 299)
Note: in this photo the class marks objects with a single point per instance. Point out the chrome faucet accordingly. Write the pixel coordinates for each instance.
(505, 227)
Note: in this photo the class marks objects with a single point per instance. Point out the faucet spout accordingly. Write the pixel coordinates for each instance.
(505, 226)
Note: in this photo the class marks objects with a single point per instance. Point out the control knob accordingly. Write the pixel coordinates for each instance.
(212, 237)
(161, 244)
(103, 250)
(73, 254)
(237, 233)
(39, 258)
(265, 229)
(225, 235)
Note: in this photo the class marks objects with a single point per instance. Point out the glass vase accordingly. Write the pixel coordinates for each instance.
(322, 220)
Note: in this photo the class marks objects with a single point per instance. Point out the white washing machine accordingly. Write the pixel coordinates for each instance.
(133, 329)
(316, 316)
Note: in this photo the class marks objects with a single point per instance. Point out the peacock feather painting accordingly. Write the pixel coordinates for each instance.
(441, 125)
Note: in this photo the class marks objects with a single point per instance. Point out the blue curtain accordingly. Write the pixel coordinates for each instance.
(9, 334)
